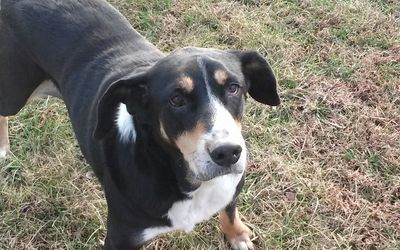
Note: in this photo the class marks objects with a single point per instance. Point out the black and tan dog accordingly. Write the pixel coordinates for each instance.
(162, 133)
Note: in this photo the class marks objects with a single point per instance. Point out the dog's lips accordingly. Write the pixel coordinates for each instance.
(213, 171)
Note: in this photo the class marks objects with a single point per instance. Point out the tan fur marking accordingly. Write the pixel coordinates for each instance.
(4, 140)
(186, 83)
(236, 231)
(187, 142)
(239, 124)
(221, 76)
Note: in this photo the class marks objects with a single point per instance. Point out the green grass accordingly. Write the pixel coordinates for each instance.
(324, 168)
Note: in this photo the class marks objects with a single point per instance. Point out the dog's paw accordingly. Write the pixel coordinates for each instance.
(242, 241)
(236, 232)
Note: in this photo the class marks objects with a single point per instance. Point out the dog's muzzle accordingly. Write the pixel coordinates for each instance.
(221, 159)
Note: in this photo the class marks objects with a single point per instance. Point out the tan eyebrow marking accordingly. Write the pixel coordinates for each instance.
(186, 83)
(221, 76)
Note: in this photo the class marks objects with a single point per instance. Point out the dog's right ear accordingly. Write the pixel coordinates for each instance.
(131, 92)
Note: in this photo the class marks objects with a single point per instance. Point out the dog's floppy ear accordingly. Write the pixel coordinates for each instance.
(259, 76)
(131, 92)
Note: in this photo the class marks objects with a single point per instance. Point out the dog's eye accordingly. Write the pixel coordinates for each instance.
(233, 89)
(177, 100)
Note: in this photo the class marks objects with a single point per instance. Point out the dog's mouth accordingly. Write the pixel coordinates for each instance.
(208, 170)
(217, 171)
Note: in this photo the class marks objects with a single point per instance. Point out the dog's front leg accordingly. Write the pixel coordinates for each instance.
(120, 234)
(4, 141)
(120, 242)
(236, 232)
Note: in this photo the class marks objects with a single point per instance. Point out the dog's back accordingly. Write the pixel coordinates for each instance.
(81, 46)
(64, 38)
(19, 75)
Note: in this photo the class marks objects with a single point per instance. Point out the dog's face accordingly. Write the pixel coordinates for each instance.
(194, 99)
(198, 96)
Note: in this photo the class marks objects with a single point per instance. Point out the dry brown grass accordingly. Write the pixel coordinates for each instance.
(324, 170)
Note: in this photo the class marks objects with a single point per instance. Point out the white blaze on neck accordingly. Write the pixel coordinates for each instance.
(125, 124)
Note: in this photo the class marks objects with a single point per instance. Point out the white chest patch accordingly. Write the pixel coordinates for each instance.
(126, 127)
(211, 197)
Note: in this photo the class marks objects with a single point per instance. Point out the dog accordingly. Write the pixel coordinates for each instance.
(161, 132)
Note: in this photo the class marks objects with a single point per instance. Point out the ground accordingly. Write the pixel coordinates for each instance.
(324, 170)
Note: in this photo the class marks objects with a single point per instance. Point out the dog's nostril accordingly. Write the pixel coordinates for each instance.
(237, 151)
(226, 155)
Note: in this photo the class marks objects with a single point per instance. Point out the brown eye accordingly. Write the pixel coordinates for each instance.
(177, 100)
(233, 89)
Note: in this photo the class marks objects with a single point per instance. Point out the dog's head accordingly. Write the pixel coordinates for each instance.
(194, 100)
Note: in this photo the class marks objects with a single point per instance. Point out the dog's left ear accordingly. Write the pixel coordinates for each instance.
(131, 92)
(259, 76)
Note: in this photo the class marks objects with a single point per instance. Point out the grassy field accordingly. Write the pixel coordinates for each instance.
(324, 170)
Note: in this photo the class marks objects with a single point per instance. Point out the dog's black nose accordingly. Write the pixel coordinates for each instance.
(226, 155)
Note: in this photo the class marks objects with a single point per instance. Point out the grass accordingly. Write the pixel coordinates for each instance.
(324, 169)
